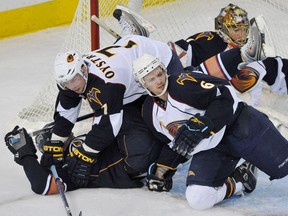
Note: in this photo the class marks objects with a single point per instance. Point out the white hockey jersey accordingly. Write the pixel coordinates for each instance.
(111, 85)
(114, 63)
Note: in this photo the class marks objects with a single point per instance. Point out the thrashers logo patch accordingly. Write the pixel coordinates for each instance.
(246, 79)
(92, 96)
(173, 127)
(208, 35)
(185, 77)
(191, 173)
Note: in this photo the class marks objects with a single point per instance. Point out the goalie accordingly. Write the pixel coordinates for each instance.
(239, 50)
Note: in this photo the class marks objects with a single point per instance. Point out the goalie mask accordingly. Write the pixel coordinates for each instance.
(143, 66)
(68, 67)
(233, 24)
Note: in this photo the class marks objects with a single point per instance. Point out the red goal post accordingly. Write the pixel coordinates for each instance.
(95, 37)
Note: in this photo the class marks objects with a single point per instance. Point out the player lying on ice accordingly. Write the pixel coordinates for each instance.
(107, 171)
(104, 78)
(201, 116)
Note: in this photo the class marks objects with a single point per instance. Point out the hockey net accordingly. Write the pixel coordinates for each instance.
(175, 19)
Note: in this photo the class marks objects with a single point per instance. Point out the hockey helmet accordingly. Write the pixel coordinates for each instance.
(143, 66)
(67, 65)
(233, 17)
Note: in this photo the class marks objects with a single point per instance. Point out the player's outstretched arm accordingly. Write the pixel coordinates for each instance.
(24, 153)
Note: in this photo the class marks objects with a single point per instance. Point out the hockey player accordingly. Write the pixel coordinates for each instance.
(108, 171)
(202, 116)
(105, 79)
(232, 28)
(232, 31)
(248, 77)
(222, 52)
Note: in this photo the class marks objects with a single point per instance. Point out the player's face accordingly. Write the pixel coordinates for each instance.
(77, 84)
(238, 34)
(155, 80)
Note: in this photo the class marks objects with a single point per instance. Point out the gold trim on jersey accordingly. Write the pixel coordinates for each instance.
(208, 35)
(92, 96)
(183, 77)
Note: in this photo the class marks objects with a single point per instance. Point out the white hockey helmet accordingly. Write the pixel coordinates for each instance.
(143, 66)
(67, 65)
(234, 17)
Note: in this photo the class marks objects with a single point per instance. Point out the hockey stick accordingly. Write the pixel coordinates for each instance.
(61, 192)
(102, 24)
(13, 140)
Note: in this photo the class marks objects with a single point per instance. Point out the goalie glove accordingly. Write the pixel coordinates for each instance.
(80, 162)
(191, 133)
(23, 147)
(156, 183)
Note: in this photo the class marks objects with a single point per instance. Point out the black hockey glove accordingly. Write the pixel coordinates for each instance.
(42, 139)
(80, 164)
(191, 133)
(20, 144)
(52, 153)
(155, 183)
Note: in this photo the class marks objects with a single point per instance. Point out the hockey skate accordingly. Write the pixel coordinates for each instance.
(246, 173)
(132, 23)
(259, 44)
